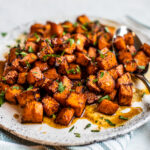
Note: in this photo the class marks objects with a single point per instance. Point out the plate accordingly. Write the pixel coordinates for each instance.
(45, 134)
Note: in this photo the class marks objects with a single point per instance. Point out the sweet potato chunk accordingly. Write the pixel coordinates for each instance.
(124, 79)
(42, 65)
(22, 78)
(50, 105)
(91, 84)
(74, 72)
(91, 68)
(53, 87)
(63, 67)
(34, 75)
(70, 58)
(124, 56)
(12, 92)
(27, 96)
(65, 116)
(68, 26)
(107, 107)
(11, 77)
(132, 49)
(105, 81)
(76, 101)
(51, 74)
(113, 94)
(141, 60)
(146, 48)
(113, 73)
(82, 59)
(91, 97)
(120, 43)
(33, 112)
(130, 66)
(92, 52)
(79, 89)
(51, 61)
(125, 95)
(12, 54)
(31, 47)
(3, 86)
(129, 40)
(61, 96)
(83, 19)
(120, 70)
(106, 60)
(29, 58)
(102, 43)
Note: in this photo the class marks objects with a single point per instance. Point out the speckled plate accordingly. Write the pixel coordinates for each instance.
(43, 133)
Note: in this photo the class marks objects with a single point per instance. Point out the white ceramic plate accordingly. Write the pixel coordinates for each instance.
(44, 134)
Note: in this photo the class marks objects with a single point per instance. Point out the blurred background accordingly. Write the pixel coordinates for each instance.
(17, 12)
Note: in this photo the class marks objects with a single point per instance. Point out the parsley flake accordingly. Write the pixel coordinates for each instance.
(141, 67)
(30, 87)
(77, 135)
(110, 123)
(3, 34)
(61, 87)
(30, 50)
(87, 126)
(71, 128)
(123, 118)
(104, 97)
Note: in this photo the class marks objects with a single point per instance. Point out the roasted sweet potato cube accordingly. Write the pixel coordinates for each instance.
(120, 43)
(12, 54)
(125, 95)
(6, 69)
(80, 29)
(29, 58)
(105, 81)
(113, 94)
(65, 116)
(106, 60)
(22, 78)
(91, 97)
(91, 84)
(27, 96)
(42, 65)
(91, 68)
(12, 92)
(132, 49)
(103, 43)
(56, 29)
(50, 105)
(15, 65)
(63, 67)
(120, 70)
(69, 46)
(70, 58)
(33, 112)
(80, 40)
(79, 89)
(83, 19)
(146, 48)
(53, 87)
(92, 52)
(51, 61)
(107, 107)
(113, 73)
(34, 75)
(62, 96)
(124, 79)
(124, 56)
(51, 74)
(11, 77)
(31, 47)
(3, 86)
(74, 72)
(76, 101)
(68, 26)
(130, 66)
(129, 40)
(82, 59)
(141, 60)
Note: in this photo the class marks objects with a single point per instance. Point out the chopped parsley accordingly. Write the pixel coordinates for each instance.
(30, 87)
(30, 50)
(143, 94)
(104, 97)
(45, 57)
(78, 41)
(71, 128)
(23, 54)
(123, 118)
(110, 123)
(95, 80)
(3, 34)
(71, 71)
(61, 87)
(71, 41)
(106, 29)
(49, 42)
(53, 116)
(77, 135)
(37, 37)
(79, 84)
(53, 36)
(8, 46)
(65, 26)
(78, 69)
(95, 130)
(62, 54)
(2, 95)
(102, 74)
(35, 72)
(3, 79)
(87, 126)
(75, 24)
(28, 64)
(16, 87)
(64, 33)
(141, 67)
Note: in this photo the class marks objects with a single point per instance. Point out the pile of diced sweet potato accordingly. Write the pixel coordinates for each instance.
(64, 67)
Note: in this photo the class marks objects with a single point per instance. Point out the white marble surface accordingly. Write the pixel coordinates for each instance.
(14, 12)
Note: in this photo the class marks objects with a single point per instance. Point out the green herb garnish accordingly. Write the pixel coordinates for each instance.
(95, 130)
(2, 96)
(30, 50)
(84, 27)
(71, 41)
(23, 54)
(71, 71)
(87, 126)
(16, 87)
(37, 37)
(123, 118)
(106, 29)
(141, 67)
(78, 42)
(78, 69)
(61, 87)
(3, 34)
(65, 26)
(53, 36)
(62, 54)
(110, 123)
(30, 87)
(95, 80)
(104, 97)
(3, 79)
(71, 128)
(102, 74)
(77, 135)
(75, 24)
